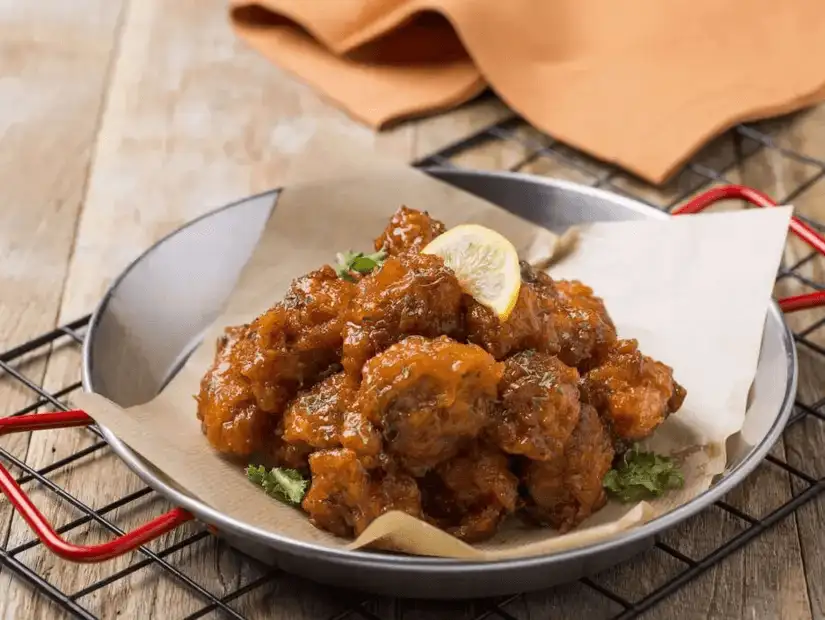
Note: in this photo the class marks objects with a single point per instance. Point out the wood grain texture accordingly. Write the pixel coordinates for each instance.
(804, 442)
(54, 60)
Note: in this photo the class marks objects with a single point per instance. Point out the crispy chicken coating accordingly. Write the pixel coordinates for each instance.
(299, 340)
(397, 391)
(531, 324)
(421, 401)
(567, 489)
(315, 417)
(230, 417)
(277, 452)
(539, 406)
(345, 498)
(632, 392)
(471, 494)
(585, 329)
(408, 231)
(411, 294)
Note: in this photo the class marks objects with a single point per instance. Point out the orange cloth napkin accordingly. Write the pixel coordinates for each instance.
(642, 84)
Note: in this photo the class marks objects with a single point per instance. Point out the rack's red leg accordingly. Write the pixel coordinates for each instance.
(41, 527)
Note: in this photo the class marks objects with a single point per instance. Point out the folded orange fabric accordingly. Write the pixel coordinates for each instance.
(642, 84)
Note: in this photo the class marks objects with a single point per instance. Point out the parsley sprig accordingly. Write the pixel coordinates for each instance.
(286, 485)
(350, 262)
(642, 475)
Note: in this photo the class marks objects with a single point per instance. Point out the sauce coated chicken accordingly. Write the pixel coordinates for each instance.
(395, 390)
(412, 294)
(422, 400)
(471, 494)
(297, 341)
(316, 417)
(345, 497)
(531, 324)
(563, 491)
(632, 392)
(229, 414)
(409, 231)
(539, 406)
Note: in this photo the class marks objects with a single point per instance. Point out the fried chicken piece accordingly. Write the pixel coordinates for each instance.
(315, 417)
(411, 294)
(567, 489)
(531, 324)
(471, 494)
(408, 231)
(539, 406)
(229, 415)
(277, 452)
(557, 317)
(345, 498)
(298, 341)
(631, 391)
(585, 329)
(421, 401)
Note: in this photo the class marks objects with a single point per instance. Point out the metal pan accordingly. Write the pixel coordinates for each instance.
(168, 296)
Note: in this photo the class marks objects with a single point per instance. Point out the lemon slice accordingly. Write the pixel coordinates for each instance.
(485, 263)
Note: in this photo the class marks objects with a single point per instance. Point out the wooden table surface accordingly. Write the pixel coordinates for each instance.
(120, 121)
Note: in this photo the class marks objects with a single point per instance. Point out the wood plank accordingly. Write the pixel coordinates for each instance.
(54, 61)
(428, 610)
(806, 441)
(510, 149)
(177, 139)
(573, 600)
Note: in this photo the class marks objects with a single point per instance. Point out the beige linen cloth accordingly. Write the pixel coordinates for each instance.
(642, 84)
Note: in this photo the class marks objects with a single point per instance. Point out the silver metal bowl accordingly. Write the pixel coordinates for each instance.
(168, 296)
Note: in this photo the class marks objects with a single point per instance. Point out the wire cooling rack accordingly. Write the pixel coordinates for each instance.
(523, 149)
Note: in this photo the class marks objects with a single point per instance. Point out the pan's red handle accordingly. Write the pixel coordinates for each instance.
(758, 199)
(37, 522)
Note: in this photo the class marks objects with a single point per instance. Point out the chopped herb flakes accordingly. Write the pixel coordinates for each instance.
(350, 262)
(286, 485)
(642, 475)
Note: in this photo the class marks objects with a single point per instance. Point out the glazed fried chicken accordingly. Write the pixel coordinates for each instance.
(539, 406)
(345, 497)
(530, 325)
(561, 317)
(411, 294)
(583, 326)
(393, 389)
(230, 417)
(586, 330)
(297, 341)
(315, 417)
(632, 392)
(469, 495)
(408, 231)
(566, 489)
(421, 401)
(278, 452)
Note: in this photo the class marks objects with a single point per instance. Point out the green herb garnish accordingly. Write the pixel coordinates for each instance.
(349, 262)
(642, 475)
(286, 485)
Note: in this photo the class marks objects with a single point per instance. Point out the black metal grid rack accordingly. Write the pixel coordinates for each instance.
(746, 142)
